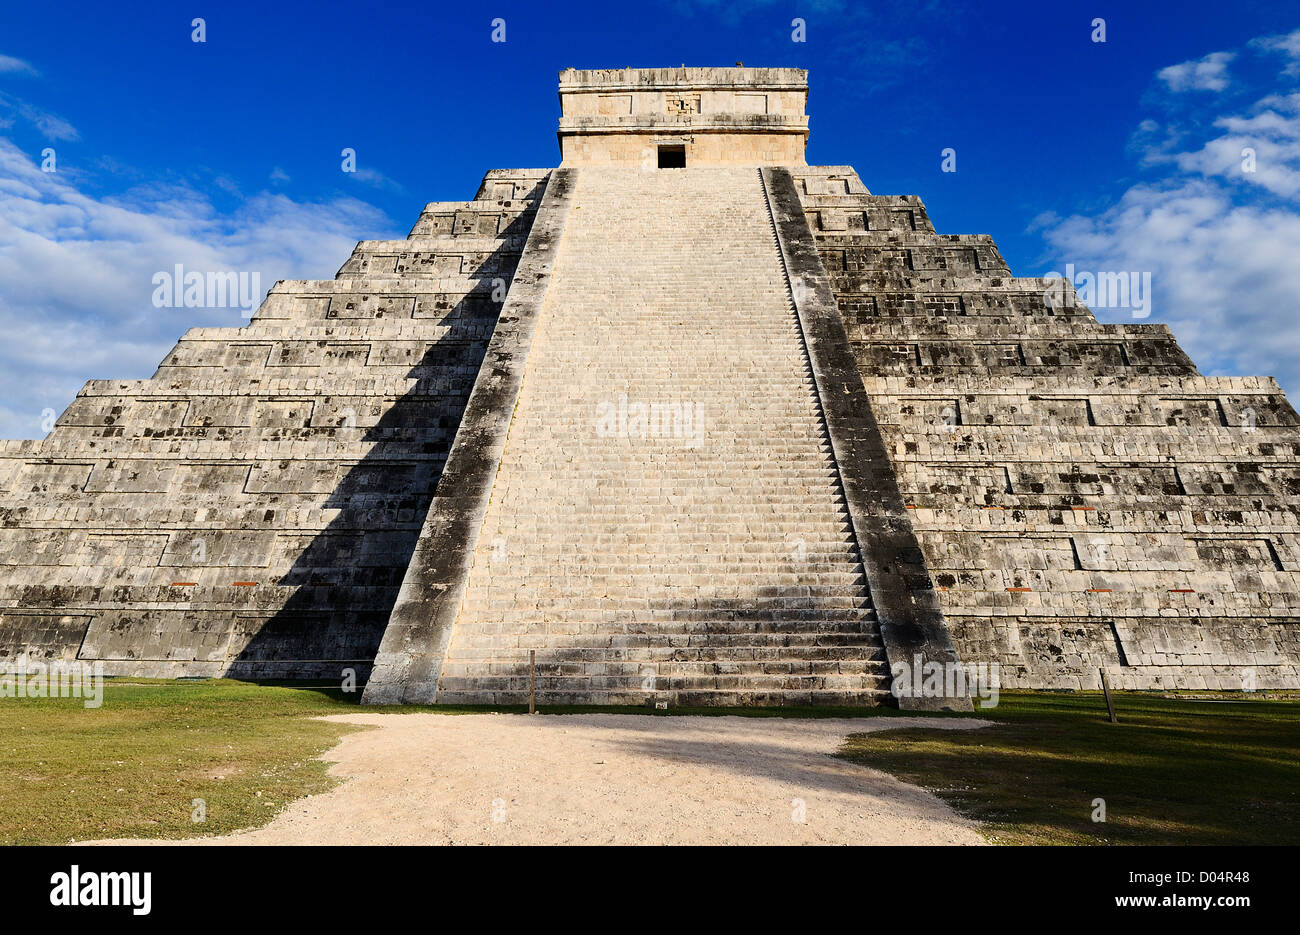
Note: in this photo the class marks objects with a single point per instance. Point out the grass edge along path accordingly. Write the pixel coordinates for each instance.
(1185, 770)
(157, 754)
(1173, 770)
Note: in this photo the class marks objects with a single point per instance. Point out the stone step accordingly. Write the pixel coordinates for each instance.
(724, 559)
(585, 682)
(865, 698)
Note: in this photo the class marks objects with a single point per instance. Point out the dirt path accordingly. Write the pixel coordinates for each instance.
(609, 779)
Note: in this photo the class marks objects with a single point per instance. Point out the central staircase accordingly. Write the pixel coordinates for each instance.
(701, 554)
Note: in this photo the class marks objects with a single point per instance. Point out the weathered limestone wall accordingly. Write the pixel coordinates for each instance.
(1082, 495)
(251, 508)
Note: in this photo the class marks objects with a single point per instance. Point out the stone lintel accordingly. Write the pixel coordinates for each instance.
(692, 77)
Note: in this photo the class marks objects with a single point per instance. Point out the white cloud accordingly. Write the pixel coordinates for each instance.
(76, 274)
(1260, 148)
(1205, 74)
(375, 179)
(51, 126)
(1288, 45)
(1220, 242)
(1224, 276)
(11, 65)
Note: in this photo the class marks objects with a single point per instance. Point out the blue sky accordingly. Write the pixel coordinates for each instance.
(1122, 155)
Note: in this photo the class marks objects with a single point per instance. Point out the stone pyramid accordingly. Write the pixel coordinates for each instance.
(685, 419)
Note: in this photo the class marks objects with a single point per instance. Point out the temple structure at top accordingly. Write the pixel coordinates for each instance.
(683, 117)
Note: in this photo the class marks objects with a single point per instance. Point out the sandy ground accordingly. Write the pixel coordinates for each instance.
(609, 779)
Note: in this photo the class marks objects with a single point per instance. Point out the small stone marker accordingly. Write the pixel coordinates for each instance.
(1110, 705)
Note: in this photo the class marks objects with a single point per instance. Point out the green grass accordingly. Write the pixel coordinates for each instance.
(1173, 771)
(133, 766)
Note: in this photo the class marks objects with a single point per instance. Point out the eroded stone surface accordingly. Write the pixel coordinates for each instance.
(252, 507)
(1010, 480)
(1084, 498)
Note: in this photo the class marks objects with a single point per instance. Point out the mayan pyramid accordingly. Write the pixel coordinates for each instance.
(685, 418)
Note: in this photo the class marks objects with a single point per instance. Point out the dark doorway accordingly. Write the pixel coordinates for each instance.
(672, 157)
